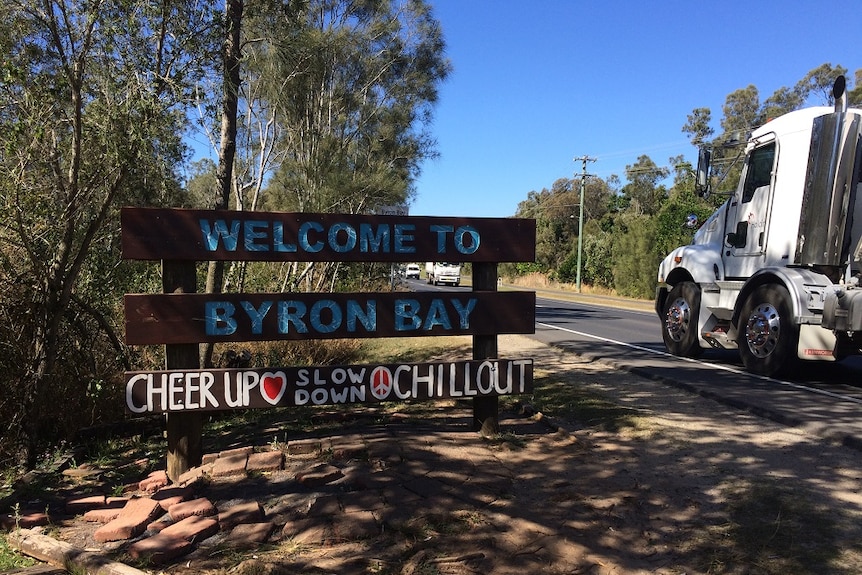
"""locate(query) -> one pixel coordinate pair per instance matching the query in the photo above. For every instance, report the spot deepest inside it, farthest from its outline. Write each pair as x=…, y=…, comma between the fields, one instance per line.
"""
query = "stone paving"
x=314, y=491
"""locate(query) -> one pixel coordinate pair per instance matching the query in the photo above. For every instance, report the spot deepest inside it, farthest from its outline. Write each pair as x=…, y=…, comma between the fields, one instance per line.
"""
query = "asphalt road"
x=825, y=398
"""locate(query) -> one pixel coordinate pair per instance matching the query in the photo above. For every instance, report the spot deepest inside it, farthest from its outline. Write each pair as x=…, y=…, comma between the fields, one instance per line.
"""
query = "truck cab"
x=443, y=273
x=774, y=272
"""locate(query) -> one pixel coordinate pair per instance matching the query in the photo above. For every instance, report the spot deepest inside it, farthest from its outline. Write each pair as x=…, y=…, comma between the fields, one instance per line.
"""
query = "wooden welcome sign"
x=180, y=319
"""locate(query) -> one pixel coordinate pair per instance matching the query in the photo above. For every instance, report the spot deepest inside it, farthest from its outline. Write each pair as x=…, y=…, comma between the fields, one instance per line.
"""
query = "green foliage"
x=635, y=257
x=644, y=194
x=351, y=87
x=568, y=270
x=10, y=559
x=598, y=260
x=92, y=120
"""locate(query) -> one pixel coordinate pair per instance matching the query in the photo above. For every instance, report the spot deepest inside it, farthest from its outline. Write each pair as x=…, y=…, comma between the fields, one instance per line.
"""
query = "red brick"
x=24, y=520
x=318, y=475
x=155, y=481
x=303, y=447
x=305, y=531
x=353, y=526
x=169, y=496
x=132, y=521
x=202, y=507
x=159, y=524
x=84, y=504
x=250, y=512
x=250, y=534
x=104, y=515
x=193, y=528
x=231, y=464
x=194, y=474
x=324, y=505
x=237, y=451
x=159, y=548
x=265, y=461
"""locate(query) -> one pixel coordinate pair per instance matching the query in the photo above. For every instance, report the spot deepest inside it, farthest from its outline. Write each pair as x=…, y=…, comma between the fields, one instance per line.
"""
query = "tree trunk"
x=227, y=147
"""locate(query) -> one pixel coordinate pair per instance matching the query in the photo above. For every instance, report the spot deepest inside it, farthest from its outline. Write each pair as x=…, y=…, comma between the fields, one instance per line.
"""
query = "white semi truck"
x=775, y=272
x=443, y=273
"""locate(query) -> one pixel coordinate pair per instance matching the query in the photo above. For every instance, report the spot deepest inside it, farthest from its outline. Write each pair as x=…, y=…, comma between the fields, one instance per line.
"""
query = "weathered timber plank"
x=207, y=235
x=195, y=318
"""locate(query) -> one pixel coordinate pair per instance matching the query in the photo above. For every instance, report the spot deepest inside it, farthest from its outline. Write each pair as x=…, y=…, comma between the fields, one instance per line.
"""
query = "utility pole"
x=584, y=160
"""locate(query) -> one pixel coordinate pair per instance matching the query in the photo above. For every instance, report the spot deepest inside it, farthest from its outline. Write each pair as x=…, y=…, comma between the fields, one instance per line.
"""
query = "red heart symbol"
x=273, y=386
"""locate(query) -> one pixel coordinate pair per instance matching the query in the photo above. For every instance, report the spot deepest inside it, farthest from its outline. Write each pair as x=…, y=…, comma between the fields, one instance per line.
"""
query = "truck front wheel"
x=681, y=311
x=767, y=335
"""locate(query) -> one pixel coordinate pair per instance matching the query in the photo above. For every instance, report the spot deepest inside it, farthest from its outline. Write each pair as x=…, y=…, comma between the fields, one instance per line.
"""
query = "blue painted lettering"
x=349, y=238
x=437, y=316
x=278, y=244
x=374, y=241
x=317, y=321
x=256, y=315
x=403, y=237
x=441, y=232
x=367, y=317
x=461, y=245
x=255, y=230
x=218, y=318
x=219, y=230
x=304, y=230
x=464, y=311
x=291, y=312
x=313, y=237
x=407, y=315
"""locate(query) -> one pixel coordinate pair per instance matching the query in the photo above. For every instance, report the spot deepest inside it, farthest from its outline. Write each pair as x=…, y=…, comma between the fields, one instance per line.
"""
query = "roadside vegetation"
x=316, y=106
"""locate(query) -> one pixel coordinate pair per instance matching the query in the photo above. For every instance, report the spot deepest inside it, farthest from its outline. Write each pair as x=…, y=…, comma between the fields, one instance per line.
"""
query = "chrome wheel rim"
x=763, y=330
x=678, y=318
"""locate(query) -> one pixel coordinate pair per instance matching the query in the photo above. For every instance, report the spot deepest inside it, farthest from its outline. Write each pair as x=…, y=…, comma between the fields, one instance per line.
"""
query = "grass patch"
x=415, y=349
x=562, y=397
x=10, y=558
x=772, y=529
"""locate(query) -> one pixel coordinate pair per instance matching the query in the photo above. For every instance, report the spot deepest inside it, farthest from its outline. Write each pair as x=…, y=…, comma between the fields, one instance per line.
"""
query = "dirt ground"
x=656, y=480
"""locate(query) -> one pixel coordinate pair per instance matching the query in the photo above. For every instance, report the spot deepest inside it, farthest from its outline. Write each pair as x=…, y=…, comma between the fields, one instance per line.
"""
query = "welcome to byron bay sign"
x=184, y=318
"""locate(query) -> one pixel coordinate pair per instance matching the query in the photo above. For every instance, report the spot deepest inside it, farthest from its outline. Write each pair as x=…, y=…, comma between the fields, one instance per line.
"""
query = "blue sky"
x=536, y=84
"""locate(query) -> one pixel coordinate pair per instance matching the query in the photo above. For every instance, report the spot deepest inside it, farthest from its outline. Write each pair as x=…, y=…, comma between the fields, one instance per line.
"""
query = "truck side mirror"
x=701, y=182
x=691, y=221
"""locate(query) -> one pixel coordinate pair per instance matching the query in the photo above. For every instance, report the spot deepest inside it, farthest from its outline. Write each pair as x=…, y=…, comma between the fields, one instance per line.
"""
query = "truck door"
x=748, y=217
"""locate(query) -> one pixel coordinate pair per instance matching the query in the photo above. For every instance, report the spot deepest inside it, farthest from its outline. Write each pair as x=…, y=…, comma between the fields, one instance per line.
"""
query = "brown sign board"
x=205, y=235
x=196, y=318
x=224, y=389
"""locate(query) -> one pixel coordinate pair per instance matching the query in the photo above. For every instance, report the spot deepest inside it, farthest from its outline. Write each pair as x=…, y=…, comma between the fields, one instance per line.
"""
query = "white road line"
x=705, y=364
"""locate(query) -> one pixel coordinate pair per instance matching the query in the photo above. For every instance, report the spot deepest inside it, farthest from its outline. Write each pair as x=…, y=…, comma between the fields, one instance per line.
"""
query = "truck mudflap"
x=842, y=310
x=816, y=343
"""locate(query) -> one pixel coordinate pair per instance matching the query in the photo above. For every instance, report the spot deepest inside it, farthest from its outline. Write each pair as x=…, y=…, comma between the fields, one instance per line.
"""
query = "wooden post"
x=485, y=409
x=185, y=430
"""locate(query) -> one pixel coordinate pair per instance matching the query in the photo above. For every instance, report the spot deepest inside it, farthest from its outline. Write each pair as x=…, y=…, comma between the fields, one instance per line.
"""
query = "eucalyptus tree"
x=92, y=117
x=354, y=85
x=743, y=111
x=644, y=190
x=854, y=95
x=335, y=104
x=817, y=84
x=698, y=127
